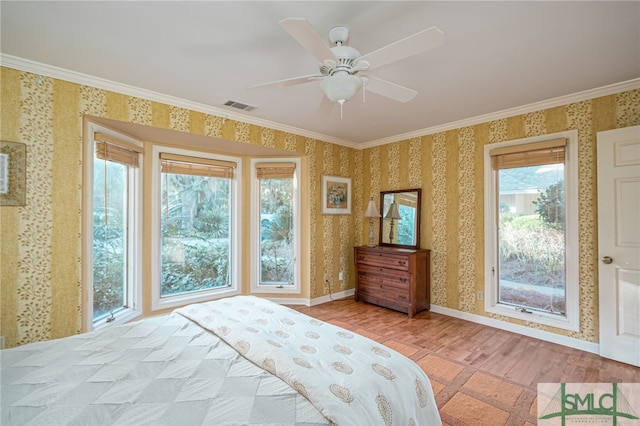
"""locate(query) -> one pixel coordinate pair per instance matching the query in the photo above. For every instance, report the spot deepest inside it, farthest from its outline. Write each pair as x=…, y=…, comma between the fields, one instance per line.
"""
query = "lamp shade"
x=340, y=86
x=372, y=210
x=393, y=212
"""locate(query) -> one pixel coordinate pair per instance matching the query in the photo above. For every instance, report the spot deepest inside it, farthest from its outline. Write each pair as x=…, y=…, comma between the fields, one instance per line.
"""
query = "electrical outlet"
x=480, y=295
x=326, y=278
x=341, y=275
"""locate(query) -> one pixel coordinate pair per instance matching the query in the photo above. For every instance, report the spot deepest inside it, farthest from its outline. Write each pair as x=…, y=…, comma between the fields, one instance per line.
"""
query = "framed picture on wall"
x=336, y=195
x=13, y=173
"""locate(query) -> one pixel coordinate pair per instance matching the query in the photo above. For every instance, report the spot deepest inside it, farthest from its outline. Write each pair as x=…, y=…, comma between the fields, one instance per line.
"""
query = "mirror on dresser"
x=400, y=219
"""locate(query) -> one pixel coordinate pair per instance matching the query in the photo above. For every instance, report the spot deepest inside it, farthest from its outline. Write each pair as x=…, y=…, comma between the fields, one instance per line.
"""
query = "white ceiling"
x=496, y=55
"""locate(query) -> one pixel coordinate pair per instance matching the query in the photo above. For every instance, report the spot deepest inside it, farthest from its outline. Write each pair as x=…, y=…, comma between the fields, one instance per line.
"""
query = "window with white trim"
x=112, y=230
x=531, y=230
x=275, y=225
x=196, y=226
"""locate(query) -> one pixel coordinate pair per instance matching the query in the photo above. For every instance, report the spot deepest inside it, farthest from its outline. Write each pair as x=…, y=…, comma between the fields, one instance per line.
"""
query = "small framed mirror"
x=400, y=220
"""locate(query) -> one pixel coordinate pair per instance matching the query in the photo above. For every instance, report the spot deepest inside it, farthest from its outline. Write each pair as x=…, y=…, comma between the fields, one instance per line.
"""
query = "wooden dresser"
x=395, y=278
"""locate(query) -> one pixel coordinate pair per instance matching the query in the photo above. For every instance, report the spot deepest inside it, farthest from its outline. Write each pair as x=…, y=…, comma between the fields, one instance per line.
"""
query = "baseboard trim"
x=334, y=296
x=520, y=329
x=312, y=302
x=288, y=300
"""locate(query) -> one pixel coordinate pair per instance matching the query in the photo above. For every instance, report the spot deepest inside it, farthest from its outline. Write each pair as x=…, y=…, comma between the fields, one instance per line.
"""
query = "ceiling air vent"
x=240, y=105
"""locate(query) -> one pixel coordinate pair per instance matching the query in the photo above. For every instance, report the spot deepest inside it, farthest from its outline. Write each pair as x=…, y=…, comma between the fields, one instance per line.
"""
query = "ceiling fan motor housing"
x=338, y=34
x=345, y=55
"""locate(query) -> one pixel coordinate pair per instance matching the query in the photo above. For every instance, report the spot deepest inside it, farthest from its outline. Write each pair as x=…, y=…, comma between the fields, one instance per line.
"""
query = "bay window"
x=196, y=226
x=112, y=273
x=276, y=226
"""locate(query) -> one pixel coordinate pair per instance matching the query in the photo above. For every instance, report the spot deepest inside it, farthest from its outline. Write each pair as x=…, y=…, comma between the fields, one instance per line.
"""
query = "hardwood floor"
x=518, y=359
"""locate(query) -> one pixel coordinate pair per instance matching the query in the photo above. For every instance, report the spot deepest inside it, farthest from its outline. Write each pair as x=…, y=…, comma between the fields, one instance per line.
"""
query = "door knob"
x=607, y=260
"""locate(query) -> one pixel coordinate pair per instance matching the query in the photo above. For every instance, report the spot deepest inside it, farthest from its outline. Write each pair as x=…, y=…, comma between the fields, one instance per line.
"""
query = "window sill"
x=119, y=318
x=559, y=321
x=275, y=289
x=189, y=298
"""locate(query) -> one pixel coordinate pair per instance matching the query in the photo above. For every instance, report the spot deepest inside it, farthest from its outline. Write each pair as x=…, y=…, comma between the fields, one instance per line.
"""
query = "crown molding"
x=525, y=109
x=38, y=68
x=45, y=70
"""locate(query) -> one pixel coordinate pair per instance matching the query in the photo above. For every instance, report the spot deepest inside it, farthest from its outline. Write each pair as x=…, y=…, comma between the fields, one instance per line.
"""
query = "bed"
x=241, y=360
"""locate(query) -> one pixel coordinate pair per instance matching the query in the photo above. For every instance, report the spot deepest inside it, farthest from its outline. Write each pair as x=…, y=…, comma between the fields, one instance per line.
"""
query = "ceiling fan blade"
x=286, y=82
x=302, y=31
x=389, y=90
x=409, y=46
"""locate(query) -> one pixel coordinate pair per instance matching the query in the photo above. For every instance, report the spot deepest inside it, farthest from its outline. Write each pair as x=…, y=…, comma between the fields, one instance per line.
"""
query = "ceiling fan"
x=341, y=65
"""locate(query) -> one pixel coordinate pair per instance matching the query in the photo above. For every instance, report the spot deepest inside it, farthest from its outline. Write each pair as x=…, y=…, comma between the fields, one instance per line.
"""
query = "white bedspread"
x=158, y=371
x=173, y=370
x=350, y=379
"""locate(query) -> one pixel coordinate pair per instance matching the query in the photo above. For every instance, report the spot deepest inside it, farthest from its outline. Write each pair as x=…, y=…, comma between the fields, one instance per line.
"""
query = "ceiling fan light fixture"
x=341, y=87
x=340, y=63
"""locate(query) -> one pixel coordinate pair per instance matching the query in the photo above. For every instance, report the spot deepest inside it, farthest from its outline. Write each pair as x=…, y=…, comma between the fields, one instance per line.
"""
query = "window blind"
x=113, y=149
x=275, y=170
x=187, y=165
x=532, y=154
x=407, y=199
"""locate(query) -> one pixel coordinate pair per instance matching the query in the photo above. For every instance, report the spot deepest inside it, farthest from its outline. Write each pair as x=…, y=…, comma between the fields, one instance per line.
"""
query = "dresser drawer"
x=367, y=273
x=379, y=291
x=383, y=260
x=396, y=279
x=385, y=276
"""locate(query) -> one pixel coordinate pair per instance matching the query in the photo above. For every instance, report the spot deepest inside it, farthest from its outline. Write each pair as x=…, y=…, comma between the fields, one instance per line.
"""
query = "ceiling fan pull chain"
x=364, y=90
x=341, y=102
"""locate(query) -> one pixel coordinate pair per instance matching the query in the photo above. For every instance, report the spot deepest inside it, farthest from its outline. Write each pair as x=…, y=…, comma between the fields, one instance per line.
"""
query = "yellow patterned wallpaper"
x=40, y=256
x=448, y=166
x=40, y=266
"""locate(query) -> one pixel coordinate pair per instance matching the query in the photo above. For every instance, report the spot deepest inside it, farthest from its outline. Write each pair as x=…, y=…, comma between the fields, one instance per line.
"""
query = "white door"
x=619, y=243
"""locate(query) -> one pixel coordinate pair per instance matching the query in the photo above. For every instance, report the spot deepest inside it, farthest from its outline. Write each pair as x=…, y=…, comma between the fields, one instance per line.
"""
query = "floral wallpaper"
x=41, y=242
x=448, y=166
x=34, y=230
x=40, y=262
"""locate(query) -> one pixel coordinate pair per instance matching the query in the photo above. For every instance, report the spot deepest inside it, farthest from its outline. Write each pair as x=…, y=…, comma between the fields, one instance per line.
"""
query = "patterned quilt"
x=159, y=371
x=350, y=379
x=237, y=361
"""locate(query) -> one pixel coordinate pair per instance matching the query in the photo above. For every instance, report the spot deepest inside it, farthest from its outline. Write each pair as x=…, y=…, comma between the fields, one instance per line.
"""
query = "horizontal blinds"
x=532, y=154
x=275, y=170
x=186, y=165
x=113, y=149
x=407, y=199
